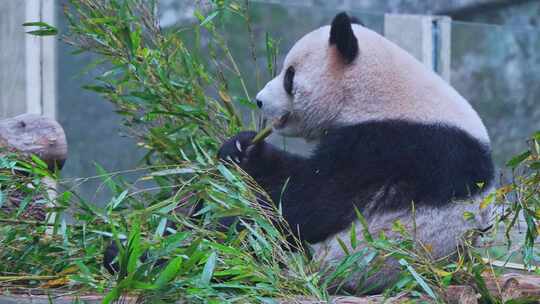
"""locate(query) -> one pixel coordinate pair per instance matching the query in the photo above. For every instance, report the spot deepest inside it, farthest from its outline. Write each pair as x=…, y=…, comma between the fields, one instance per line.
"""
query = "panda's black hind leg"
x=110, y=254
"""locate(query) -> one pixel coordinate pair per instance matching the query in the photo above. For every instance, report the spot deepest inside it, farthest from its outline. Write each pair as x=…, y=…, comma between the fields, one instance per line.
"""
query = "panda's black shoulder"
x=425, y=163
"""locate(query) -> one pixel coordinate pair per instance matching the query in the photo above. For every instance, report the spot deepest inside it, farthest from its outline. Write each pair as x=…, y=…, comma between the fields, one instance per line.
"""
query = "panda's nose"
x=259, y=103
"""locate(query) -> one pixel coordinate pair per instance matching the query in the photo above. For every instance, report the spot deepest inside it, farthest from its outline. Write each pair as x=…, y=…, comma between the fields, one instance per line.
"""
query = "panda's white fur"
x=437, y=231
x=384, y=82
x=338, y=95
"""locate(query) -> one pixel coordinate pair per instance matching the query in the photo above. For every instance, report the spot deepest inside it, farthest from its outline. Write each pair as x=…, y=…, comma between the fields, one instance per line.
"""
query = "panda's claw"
x=238, y=145
x=237, y=148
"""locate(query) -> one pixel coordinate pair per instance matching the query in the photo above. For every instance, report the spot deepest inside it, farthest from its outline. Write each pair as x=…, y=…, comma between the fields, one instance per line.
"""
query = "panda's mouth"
x=281, y=121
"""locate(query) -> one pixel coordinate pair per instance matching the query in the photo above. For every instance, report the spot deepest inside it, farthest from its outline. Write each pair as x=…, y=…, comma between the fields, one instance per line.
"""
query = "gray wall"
x=92, y=127
x=12, y=64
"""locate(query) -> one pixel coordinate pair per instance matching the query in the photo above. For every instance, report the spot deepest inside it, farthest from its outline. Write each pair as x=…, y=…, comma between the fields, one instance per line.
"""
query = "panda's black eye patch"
x=288, y=80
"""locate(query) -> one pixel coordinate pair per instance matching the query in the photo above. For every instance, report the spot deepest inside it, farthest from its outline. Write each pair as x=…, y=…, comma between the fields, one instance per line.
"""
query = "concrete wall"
x=454, y=8
x=27, y=63
x=12, y=59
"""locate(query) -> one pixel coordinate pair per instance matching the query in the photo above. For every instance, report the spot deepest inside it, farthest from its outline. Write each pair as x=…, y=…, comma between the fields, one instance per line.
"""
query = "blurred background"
x=487, y=49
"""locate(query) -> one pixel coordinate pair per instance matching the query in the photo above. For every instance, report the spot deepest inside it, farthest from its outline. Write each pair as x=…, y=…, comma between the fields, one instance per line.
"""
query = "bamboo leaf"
x=365, y=231
x=44, y=29
x=518, y=159
x=208, y=269
x=354, y=239
x=419, y=279
x=343, y=245
x=117, y=200
x=134, y=246
x=170, y=272
x=39, y=162
x=209, y=18
x=176, y=171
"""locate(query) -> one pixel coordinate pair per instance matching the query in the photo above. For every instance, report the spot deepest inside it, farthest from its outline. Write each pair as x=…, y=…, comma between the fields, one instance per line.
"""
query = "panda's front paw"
x=237, y=148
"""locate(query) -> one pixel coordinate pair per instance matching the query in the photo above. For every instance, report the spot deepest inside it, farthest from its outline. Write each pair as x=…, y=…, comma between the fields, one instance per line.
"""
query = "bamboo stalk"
x=264, y=133
x=26, y=277
x=25, y=222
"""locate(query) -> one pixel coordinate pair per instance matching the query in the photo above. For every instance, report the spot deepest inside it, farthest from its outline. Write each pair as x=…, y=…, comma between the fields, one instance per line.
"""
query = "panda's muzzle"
x=282, y=120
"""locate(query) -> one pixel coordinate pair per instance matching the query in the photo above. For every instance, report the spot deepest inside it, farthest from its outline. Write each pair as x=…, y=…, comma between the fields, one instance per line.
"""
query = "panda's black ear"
x=355, y=20
x=342, y=36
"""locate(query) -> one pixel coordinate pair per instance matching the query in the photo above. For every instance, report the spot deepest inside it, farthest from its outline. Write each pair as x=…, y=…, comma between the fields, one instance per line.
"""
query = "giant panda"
x=389, y=133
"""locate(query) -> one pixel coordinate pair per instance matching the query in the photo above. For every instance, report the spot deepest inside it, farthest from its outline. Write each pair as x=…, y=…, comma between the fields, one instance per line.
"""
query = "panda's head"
x=346, y=74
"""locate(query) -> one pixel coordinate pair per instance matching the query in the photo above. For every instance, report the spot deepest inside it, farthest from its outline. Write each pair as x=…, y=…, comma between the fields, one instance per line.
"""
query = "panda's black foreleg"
x=268, y=165
x=111, y=252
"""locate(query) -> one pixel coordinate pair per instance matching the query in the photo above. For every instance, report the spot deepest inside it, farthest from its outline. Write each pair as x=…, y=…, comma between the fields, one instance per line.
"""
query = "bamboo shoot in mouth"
x=264, y=133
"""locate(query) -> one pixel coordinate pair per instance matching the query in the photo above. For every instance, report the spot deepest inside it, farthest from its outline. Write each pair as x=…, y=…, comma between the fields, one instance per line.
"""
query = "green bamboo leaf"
x=361, y=258
x=39, y=162
x=518, y=159
x=98, y=89
x=23, y=205
x=112, y=296
x=354, y=239
x=535, y=165
x=343, y=246
x=117, y=200
x=208, y=269
x=136, y=38
x=83, y=268
x=37, y=23
x=536, y=135
x=194, y=258
x=134, y=246
x=481, y=284
x=44, y=29
x=209, y=18
x=44, y=32
x=365, y=231
x=169, y=273
x=468, y=215
x=419, y=279
x=161, y=227
x=106, y=177
x=227, y=173
x=142, y=285
x=176, y=171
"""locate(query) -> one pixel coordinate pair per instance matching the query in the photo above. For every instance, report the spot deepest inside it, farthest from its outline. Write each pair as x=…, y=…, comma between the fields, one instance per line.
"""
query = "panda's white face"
x=347, y=74
x=302, y=99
